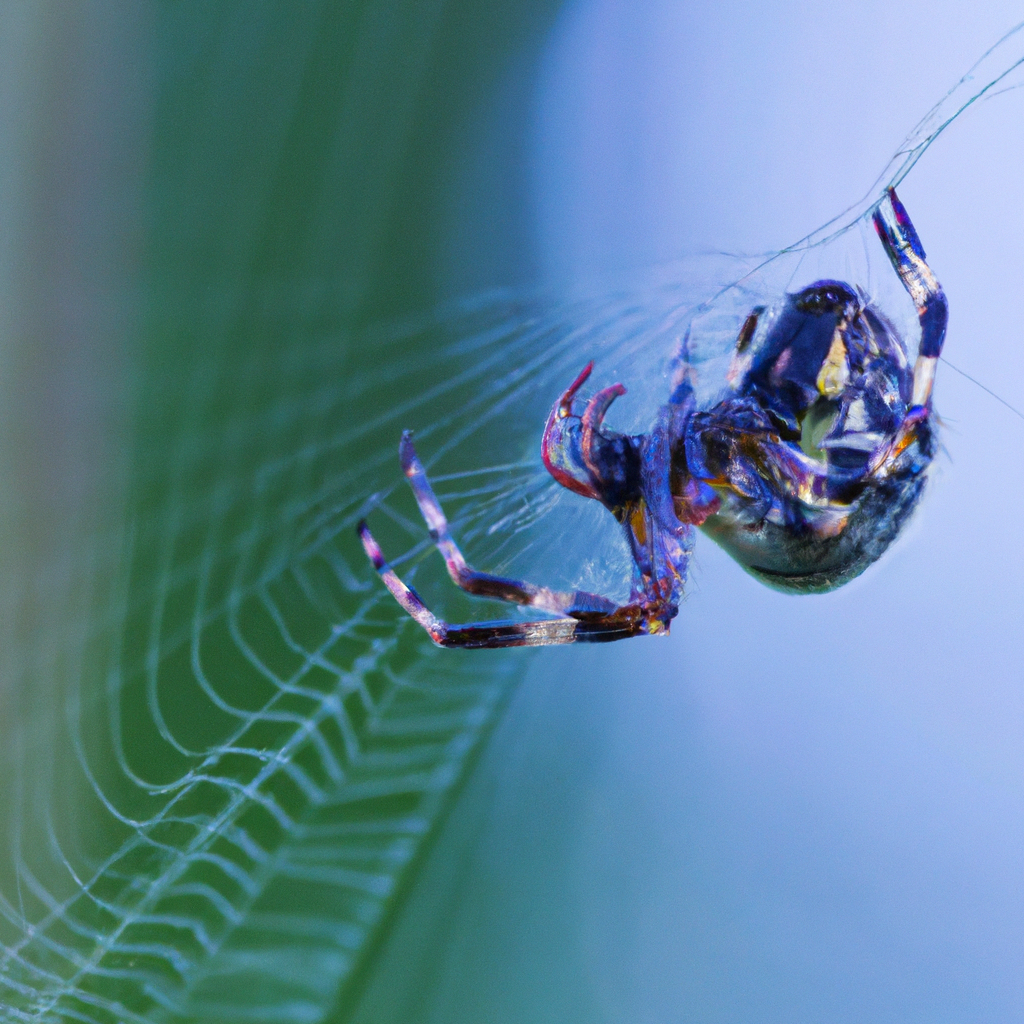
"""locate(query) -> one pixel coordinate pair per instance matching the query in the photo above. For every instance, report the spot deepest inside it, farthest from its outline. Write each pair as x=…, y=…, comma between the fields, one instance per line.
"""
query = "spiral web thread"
x=256, y=750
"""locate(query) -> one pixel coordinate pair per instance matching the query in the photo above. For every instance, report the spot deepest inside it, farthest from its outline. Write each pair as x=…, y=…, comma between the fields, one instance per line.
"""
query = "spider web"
x=248, y=757
x=225, y=768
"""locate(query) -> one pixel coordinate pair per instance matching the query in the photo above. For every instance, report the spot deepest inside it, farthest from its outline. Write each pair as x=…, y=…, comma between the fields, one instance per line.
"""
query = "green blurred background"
x=219, y=765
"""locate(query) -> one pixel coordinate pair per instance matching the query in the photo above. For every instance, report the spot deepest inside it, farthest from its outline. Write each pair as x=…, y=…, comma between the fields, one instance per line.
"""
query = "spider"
x=805, y=472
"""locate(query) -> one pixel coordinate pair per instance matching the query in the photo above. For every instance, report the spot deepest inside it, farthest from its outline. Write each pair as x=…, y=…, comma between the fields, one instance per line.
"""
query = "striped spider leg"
x=582, y=616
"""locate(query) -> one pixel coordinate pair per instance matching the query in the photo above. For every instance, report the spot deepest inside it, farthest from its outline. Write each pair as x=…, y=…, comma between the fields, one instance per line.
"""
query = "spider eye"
x=825, y=297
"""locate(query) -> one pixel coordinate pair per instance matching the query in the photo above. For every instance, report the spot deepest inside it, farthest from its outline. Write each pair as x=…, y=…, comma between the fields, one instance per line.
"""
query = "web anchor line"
x=989, y=391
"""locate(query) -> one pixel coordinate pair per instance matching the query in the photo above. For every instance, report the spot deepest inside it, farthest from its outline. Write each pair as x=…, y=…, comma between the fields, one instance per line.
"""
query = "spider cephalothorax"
x=804, y=471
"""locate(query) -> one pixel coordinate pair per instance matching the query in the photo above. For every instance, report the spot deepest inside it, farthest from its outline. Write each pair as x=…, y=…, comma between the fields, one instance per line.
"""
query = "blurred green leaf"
x=223, y=746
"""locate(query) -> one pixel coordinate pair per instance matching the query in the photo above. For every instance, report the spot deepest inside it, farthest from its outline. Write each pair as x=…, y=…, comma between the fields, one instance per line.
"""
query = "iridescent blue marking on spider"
x=805, y=472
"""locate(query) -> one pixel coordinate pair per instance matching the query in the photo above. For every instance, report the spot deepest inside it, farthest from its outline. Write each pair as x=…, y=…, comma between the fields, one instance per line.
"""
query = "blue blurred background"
x=794, y=809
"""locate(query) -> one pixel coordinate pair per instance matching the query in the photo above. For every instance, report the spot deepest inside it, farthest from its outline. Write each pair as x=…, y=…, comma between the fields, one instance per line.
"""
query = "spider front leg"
x=481, y=583
x=905, y=252
x=584, y=617
x=595, y=627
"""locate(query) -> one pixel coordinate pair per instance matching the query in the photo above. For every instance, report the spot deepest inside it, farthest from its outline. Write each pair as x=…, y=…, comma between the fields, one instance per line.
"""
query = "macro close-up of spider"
x=804, y=472
x=605, y=277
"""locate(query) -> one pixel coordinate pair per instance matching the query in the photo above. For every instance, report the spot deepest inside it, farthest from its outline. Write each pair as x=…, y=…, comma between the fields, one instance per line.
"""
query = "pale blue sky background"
x=795, y=809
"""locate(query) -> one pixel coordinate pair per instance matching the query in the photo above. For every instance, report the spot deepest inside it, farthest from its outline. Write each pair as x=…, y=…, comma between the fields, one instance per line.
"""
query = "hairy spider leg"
x=589, y=627
x=481, y=583
x=681, y=373
x=586, y=617
x=591, y=464
x=903, y=247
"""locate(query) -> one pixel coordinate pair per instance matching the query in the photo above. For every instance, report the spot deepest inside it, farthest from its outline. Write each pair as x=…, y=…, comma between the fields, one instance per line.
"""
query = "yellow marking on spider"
x=835, y=370
x=638, y=524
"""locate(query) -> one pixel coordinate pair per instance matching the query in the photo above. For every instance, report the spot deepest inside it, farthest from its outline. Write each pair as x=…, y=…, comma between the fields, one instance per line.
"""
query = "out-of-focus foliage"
x=222, y=750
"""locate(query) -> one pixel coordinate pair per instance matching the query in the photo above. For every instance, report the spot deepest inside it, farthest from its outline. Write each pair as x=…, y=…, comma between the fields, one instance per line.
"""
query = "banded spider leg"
x=903, y=247
x=583, y=617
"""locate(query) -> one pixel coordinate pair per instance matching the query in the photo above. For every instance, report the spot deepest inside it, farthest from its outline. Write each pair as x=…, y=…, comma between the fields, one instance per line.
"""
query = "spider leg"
x=589, y=627
x=681, y=372
x=903, y=247
x=743, y=356
x=481, y=583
